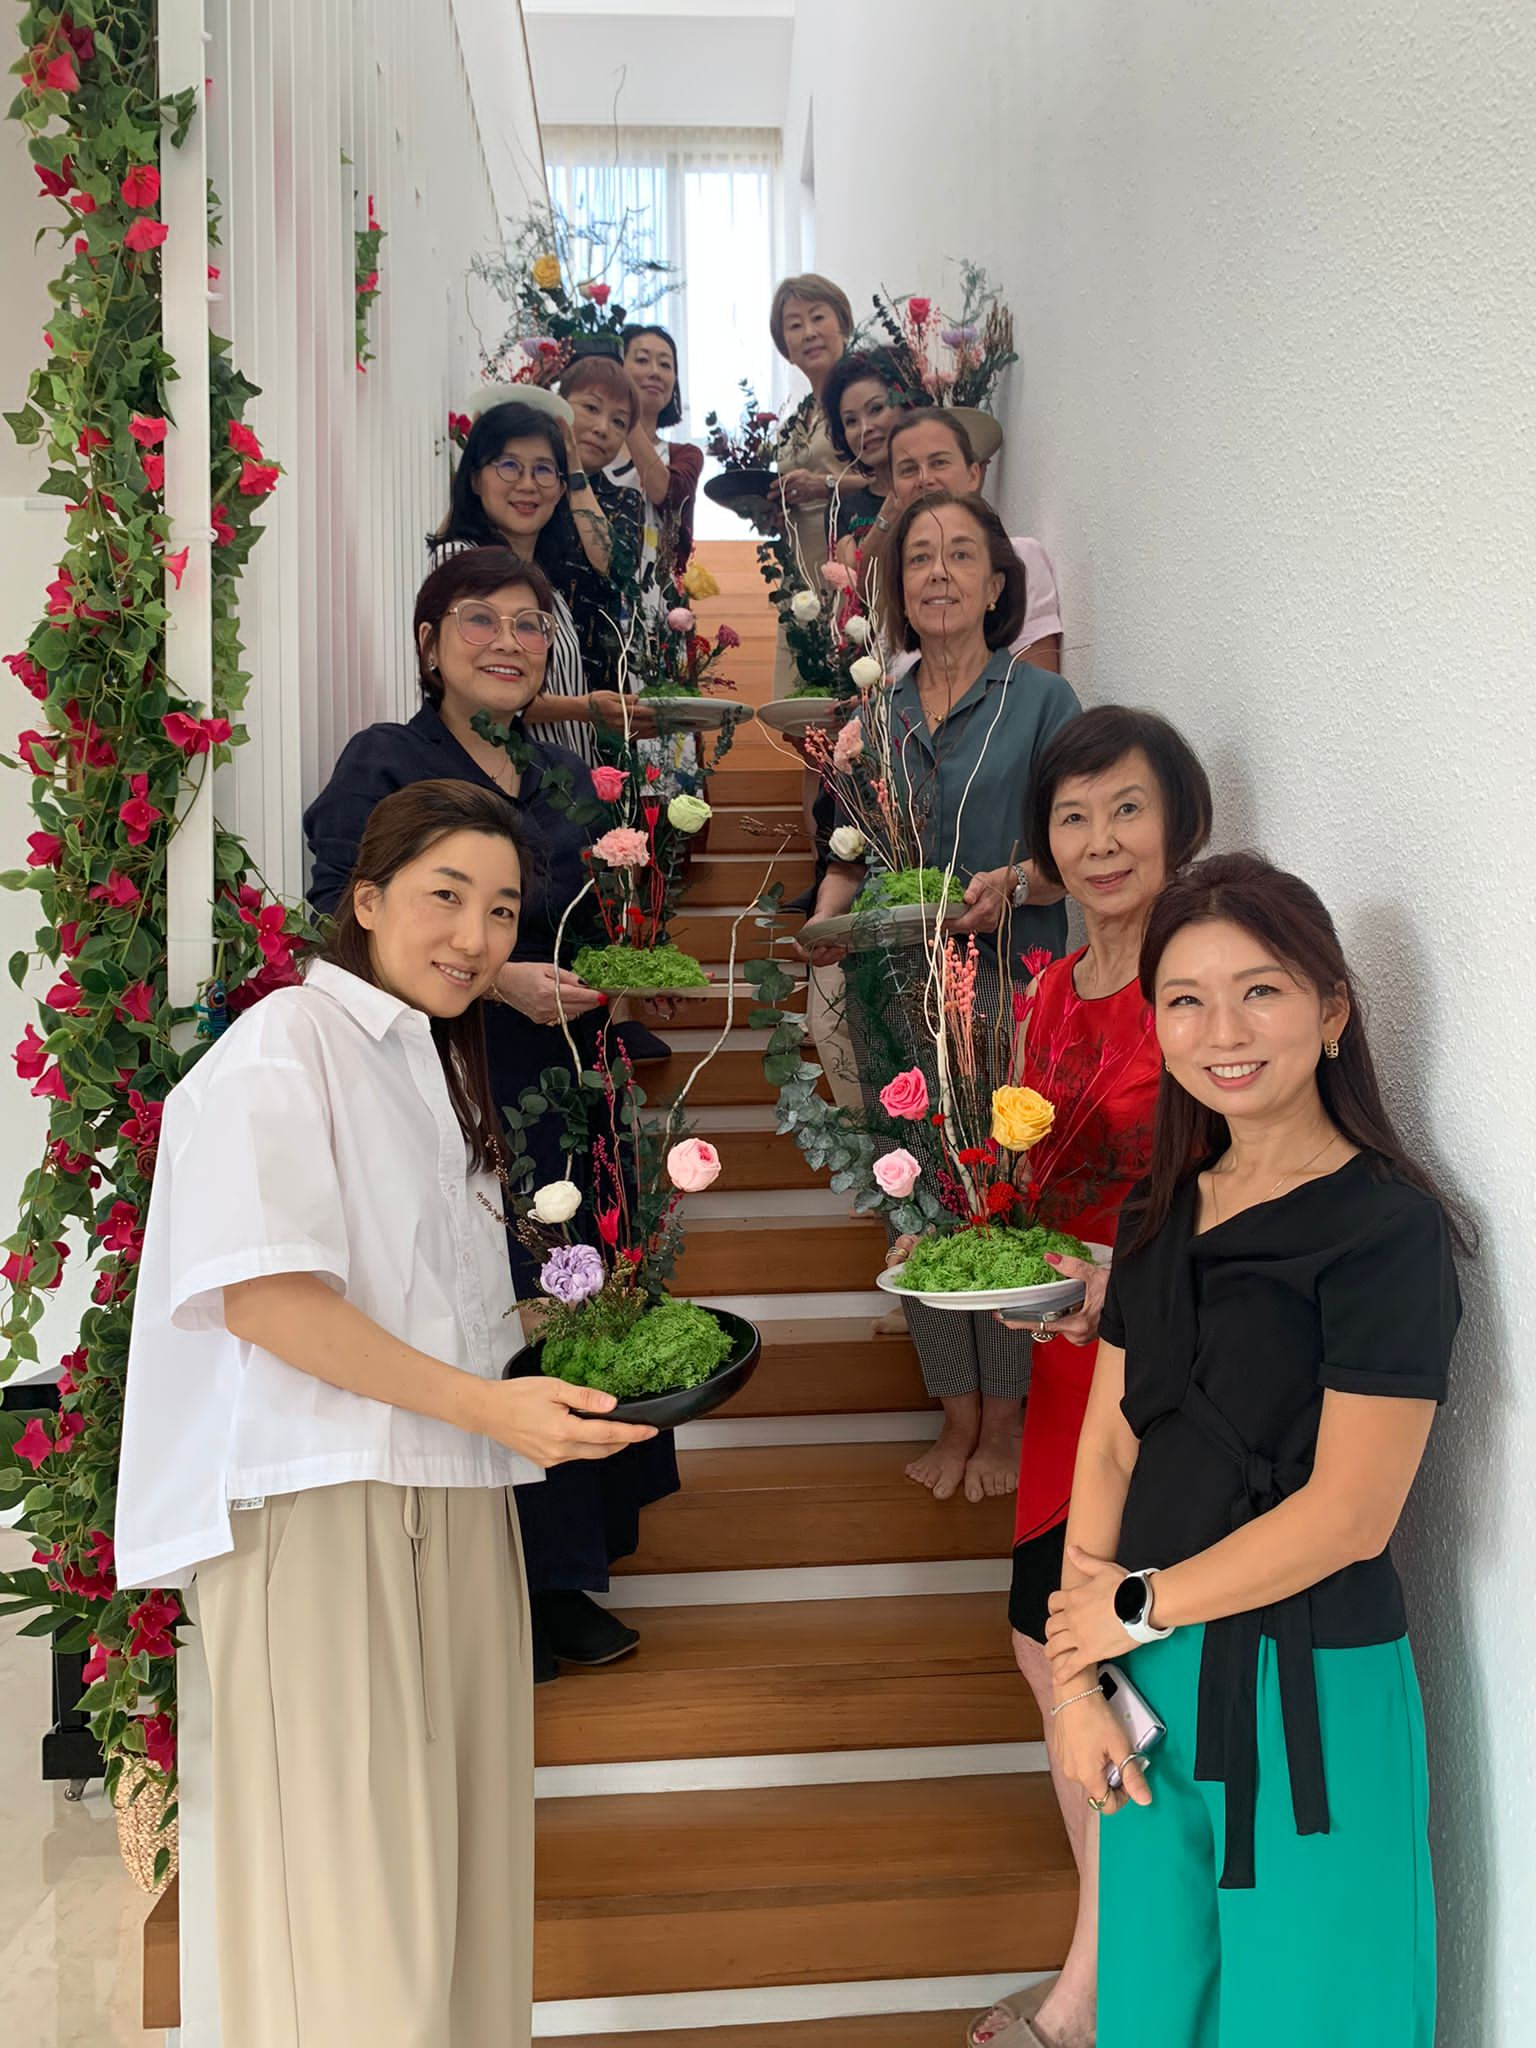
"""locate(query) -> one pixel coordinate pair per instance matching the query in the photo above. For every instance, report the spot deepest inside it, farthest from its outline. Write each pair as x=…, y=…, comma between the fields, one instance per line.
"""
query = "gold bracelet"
x=1093, y=1692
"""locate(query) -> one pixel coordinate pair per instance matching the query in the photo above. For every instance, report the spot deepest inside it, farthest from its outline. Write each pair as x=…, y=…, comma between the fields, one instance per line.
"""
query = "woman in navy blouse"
x=484, y=628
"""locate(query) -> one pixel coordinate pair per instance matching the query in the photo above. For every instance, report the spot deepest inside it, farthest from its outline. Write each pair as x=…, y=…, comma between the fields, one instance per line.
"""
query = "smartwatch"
x=577, y=480
x=1133, y=1603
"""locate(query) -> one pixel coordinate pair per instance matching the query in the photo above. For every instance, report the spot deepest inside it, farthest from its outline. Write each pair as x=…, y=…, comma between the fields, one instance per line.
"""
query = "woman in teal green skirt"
x=1275, y=1341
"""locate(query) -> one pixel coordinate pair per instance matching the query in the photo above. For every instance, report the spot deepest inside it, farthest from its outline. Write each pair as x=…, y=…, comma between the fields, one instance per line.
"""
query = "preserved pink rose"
x=906, y=1096
x=897, y=1173
x=609, y=783
x=693, y=1166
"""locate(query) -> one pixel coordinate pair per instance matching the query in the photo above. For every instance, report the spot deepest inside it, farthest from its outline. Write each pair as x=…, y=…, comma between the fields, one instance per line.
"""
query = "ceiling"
x=661, y=63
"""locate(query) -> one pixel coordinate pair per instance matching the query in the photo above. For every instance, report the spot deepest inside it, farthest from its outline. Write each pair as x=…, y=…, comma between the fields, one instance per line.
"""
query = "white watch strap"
x=1143, y=1631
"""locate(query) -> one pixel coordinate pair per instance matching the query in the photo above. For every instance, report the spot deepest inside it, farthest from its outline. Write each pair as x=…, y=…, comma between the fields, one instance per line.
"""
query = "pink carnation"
x=693, y=1166
x=850, y=744
x=897, y=1174
x=837, y=575
x=906, y=1096
x=623, y=848
x=609, y=783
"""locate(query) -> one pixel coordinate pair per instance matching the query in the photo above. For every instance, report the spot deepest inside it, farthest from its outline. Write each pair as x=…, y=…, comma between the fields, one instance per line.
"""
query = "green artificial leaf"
x=19, y=963
x=26, y=426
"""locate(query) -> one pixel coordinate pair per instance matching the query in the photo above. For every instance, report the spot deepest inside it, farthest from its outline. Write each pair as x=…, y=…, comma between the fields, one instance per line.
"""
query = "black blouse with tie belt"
x=1232, y=1336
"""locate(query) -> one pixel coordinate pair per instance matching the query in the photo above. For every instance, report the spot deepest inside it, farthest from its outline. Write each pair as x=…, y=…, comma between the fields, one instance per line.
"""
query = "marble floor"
x=69, y=1915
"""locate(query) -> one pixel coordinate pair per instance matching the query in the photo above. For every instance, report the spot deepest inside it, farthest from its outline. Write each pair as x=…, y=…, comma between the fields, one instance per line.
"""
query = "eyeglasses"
x=545, y=474
x=479, y=623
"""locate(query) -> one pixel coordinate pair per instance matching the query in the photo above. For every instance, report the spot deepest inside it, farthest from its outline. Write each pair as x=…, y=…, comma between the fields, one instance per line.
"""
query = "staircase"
x=812, y=1810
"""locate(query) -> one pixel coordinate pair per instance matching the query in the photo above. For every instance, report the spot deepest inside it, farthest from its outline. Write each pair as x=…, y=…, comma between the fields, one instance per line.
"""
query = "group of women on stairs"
x=1217, y=1445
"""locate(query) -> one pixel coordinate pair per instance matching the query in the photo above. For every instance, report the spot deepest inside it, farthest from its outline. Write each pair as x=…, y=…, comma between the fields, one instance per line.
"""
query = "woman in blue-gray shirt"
x=972, y=719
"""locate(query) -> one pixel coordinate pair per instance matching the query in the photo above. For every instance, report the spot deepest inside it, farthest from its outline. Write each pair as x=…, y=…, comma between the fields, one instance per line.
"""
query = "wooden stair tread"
x=780, y=1255
x=799, y=1884
x=875, y=2030
x=832, y=1365
x=734, y=1075
x=786, y=1678
x=760, y=1506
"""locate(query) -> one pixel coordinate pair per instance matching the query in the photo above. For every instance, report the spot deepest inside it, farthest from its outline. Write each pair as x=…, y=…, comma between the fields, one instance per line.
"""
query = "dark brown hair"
x=1003, y=622
x=472, y=572
x=467, y=519
x=672, y=411
x=1287, y=918
x=814, y=290
x=1095, y=742
x=941, y=416
x=872, y=366
x=402, y=827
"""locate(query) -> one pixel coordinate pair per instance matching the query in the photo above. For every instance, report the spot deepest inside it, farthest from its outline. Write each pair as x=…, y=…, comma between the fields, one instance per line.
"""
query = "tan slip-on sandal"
x=1020, y=2009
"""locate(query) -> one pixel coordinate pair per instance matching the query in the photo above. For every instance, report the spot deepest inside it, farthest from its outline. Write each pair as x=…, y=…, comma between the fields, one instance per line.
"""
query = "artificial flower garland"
x=116, y=756
x=366, y=281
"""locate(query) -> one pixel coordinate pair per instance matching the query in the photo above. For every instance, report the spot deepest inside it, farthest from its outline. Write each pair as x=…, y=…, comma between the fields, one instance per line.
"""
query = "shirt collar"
x=905, y=698
x=373, y=1007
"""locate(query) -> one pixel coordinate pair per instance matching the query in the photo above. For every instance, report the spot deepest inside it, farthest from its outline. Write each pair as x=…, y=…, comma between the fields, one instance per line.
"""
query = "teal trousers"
x=1335, y=1945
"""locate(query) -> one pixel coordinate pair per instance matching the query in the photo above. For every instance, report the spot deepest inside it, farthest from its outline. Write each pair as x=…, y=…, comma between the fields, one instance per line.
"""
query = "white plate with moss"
x=887, y=924
x=693, y=714
x=1056, y=1296
x=796, y=715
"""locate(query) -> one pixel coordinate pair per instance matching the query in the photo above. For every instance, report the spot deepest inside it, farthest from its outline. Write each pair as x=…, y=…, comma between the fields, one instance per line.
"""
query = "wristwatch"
x=577, y=480
x=1133, y=1603
x=1020, y=894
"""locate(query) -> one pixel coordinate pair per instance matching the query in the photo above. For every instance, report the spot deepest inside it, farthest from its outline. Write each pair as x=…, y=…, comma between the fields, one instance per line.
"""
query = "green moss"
x=626, y=967
x=908, y=885
x=969, y=1260
x=675, y=1344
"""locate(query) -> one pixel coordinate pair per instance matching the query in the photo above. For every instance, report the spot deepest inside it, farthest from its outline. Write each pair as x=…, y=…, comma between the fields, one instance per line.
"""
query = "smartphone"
x=1143, y=1730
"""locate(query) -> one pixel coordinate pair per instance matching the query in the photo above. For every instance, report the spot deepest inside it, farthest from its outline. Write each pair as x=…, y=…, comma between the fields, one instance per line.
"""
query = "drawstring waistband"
x=415, y=1518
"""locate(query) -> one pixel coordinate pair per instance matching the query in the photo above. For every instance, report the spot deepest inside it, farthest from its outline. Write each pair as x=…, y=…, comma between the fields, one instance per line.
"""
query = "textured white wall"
x=1275, y=419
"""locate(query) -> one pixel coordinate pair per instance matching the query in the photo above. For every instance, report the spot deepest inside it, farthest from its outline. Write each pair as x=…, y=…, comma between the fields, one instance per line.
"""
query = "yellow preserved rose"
x=1020, y=1118
x=698, y=582
x=546, y=272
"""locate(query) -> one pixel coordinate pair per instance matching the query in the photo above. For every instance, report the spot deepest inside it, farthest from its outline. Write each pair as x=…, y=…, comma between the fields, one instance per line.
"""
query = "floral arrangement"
x=754, y=443
x=943, y=360
x=366, y=280
x=635, y=871
x=819, y=614
x=673, y=658
x=554, y=274
x=115, y=758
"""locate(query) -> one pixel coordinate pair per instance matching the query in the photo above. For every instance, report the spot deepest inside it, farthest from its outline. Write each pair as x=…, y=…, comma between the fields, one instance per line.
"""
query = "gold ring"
x=1098, y=1805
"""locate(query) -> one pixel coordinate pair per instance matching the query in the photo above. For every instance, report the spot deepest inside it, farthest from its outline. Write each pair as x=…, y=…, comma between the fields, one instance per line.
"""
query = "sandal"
x=1020, y=2008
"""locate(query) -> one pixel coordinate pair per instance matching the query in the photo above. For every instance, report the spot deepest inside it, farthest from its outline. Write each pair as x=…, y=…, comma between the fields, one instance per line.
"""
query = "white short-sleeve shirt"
x=316, y=1136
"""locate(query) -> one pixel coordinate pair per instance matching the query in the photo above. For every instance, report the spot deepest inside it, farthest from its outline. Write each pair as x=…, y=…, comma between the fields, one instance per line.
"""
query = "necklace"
x=1290, y=1173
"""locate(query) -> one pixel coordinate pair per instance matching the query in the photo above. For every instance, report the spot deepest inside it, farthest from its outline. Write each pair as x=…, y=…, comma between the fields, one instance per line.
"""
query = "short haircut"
x=1003, y=622
x=672, y=411
x=876, y=366
x=601, y=373
x=939, y=415
x=472, y=572
x=816, y=291
x=1095, y=742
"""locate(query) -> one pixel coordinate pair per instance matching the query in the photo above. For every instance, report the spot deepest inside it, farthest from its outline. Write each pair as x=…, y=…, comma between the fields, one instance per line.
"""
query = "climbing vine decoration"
x=115, y=755
x=367, y=242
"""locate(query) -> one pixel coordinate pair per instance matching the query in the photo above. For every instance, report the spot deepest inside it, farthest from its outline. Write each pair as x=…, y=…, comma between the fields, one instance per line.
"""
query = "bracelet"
x=1093, y=1692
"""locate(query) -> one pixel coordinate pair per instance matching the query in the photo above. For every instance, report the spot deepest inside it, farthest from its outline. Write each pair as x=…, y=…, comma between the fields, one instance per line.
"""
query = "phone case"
x=1143, y=1730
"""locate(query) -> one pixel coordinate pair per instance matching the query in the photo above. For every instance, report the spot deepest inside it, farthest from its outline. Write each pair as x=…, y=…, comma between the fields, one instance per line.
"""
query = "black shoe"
x=641, y=1044
x=579, y=1631
x=544, y=1666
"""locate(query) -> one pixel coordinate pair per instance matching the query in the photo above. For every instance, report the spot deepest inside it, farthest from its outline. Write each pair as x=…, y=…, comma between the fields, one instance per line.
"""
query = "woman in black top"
x=584, y=1516
x=1274, y=1342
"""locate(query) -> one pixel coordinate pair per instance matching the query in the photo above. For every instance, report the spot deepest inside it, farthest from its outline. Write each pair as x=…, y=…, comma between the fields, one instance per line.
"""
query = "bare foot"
x=942, y=1467
x=892, y=1324
x=993, y=1467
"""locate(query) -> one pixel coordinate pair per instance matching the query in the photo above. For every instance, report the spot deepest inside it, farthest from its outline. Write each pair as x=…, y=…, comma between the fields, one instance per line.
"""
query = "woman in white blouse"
x=318, y=1446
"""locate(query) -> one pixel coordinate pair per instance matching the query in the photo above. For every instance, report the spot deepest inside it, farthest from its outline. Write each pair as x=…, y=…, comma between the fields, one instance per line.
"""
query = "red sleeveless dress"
x=1098, y=1062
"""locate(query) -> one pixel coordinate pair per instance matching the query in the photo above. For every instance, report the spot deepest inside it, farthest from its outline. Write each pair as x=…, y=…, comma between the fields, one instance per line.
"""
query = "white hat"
x=533, y=395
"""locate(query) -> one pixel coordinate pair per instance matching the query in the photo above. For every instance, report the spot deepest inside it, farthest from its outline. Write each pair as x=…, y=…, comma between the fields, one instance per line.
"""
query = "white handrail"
x=189, y=626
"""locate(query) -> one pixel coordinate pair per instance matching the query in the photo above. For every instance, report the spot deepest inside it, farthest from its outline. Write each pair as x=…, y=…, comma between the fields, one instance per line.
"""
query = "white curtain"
x=706, y=201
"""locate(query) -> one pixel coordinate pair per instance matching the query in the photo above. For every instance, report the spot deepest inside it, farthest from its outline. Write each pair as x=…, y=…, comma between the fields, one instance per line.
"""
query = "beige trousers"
x=372, y=1770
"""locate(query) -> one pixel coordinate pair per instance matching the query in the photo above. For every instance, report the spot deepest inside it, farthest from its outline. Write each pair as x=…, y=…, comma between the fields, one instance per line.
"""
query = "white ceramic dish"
x=694, y=714
x=1053, y=1294
x=798, y=714
x=862, y=930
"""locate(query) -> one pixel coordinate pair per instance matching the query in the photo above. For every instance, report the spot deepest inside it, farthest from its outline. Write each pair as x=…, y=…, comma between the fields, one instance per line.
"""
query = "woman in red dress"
x=1118, y=802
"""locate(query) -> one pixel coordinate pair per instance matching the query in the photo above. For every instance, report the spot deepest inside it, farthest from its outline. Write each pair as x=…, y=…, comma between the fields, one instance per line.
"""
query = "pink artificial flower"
x=223, y=532
x=906, y=1096
x=91, y=438
x=600, y=294
x=623, y=848
x=176, y=565
x=680, y=619
x=47, y=849
x=70, y=1426
x=195, y=735
x=919, y=309
x=148, y=429
x=153, y=467
x=159, y=1742
x=727, y=637
x=59, y=74
x=136, y=1004
x=370, y=283
x=67, y=1161
x=31, y=1060
x=122, y=1231
x=95, y=1666
x=141, y=187
x=693, y=1166
x=72, y=937
x=34, y=1444
x=67, y=996
x=257, y=478
x=152, y=1621
x=16, y=1269
x=243, y=441
x=54, y=183
x=52, y=1086
x=837, y=575
x=849, y=746
x=138, y=813
x=896, y=1174
x=270, y=935
x=117, y=890
x=83, y=203
x=39, y=752
x=145, y=235
x=214, y=273
x=30, y=674
x=609, y=783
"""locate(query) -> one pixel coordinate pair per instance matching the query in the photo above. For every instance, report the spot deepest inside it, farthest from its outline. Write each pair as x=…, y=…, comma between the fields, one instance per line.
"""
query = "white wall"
x=1276, y=421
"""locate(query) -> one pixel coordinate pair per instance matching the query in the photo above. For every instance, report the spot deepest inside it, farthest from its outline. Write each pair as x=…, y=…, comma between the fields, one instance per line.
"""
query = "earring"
x=1330, y=1048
